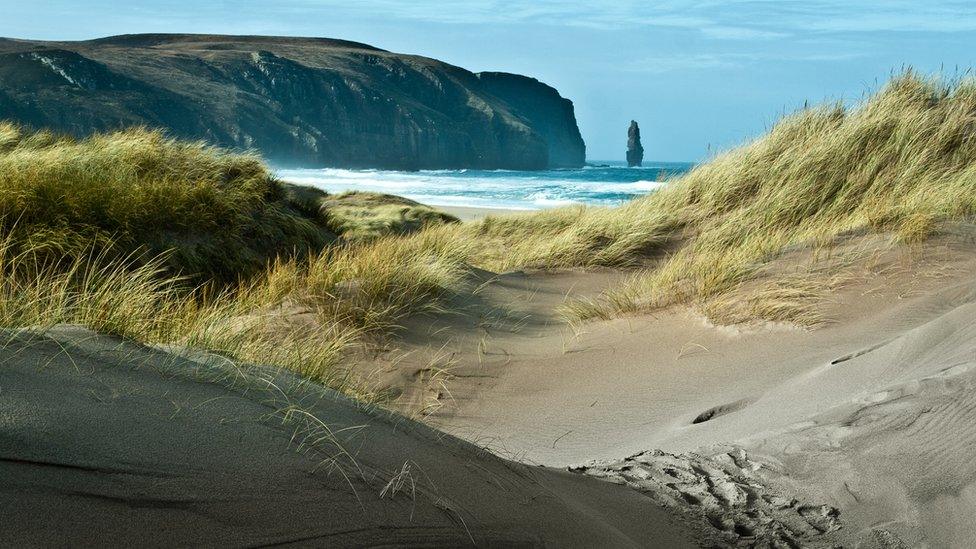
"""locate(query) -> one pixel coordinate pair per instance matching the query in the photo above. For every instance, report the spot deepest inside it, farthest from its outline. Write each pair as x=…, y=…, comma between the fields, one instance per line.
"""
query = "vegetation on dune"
x=362, y=215
x=900, y=163
x=303, y=314
x=217, y=215
x=181, y=244
x=169, y=242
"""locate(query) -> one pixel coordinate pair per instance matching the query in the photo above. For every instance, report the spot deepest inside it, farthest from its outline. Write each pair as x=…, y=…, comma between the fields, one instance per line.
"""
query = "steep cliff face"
x=300, y=101
x=547, y=112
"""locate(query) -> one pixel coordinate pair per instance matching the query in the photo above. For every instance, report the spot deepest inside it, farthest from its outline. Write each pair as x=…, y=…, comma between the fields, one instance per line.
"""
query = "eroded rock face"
x=299, y=101
x=635, y=151
x=548, y=113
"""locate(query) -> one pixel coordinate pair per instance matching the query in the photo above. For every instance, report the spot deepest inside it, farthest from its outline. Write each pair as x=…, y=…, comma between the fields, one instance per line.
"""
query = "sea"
x=598, y=183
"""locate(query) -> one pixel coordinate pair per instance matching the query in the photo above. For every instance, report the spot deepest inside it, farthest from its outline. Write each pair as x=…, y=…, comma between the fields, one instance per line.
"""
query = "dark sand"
x=105, y=442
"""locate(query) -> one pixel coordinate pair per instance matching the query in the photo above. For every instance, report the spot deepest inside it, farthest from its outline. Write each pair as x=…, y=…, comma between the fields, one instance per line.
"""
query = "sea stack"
x=635, y=152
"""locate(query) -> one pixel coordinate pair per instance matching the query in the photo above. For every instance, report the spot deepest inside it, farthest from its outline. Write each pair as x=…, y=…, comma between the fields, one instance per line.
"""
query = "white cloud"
x=723, y=32
x=714, y=19
x=719, y=61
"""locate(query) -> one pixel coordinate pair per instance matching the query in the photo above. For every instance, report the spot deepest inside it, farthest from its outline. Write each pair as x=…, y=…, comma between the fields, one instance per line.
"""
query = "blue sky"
x=699, y=76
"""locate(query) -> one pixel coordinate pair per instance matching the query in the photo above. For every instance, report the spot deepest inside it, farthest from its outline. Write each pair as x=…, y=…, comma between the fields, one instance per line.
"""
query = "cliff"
x=299, y=101
x=548, y=113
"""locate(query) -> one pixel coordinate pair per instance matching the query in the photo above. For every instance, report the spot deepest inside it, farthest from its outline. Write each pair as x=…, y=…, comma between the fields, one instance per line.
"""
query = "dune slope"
x=863, y=425
x=107, y=442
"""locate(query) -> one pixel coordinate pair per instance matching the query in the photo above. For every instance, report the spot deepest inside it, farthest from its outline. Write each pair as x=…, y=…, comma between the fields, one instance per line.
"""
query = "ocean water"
x=600, y=183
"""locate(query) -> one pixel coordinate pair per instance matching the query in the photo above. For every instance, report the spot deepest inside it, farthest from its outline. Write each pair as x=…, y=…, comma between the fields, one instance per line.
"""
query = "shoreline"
x=474, y=213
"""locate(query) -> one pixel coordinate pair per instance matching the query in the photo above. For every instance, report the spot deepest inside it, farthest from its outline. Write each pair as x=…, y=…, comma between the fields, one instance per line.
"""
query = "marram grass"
x=339, y=294
x=177, y=243
x=215, y=214
x=902, y=162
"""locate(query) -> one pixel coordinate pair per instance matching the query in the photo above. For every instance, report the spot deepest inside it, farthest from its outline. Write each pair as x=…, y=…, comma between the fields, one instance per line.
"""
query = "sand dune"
x=857, y=433
x=871, y=415
x=106, y=442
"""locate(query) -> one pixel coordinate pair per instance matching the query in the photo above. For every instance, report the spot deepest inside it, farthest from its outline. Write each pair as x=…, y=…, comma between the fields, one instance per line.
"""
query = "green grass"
x=364, y=215
x=343, y=296
x=217, y=215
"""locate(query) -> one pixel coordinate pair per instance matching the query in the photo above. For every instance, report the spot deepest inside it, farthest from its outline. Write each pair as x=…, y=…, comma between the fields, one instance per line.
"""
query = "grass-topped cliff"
x=300, y=101
x=119, y=232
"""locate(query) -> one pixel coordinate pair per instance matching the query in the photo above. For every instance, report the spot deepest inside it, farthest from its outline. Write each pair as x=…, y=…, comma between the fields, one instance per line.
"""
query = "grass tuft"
x=902, y=162
x=215, y=215
x=176, y=243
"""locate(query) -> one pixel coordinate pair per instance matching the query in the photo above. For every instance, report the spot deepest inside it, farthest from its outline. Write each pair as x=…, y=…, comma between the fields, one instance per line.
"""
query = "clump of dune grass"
x=363, y=215
x=344, y=294
x=574, y=236
x=902, y=162
x=216, y=215
x=180, y=244
x=139, y=300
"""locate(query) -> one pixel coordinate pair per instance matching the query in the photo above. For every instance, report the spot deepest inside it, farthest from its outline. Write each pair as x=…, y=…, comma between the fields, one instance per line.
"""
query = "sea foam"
x=594, y=185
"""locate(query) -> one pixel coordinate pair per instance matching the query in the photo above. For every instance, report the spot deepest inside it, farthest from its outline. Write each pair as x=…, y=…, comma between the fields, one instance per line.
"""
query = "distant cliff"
x=299, y=101
x=547, y=113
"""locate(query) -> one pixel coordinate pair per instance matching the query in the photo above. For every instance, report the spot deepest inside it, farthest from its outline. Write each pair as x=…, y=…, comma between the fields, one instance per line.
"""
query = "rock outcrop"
x=548, y=113
x=299, y=101
x=635, y=151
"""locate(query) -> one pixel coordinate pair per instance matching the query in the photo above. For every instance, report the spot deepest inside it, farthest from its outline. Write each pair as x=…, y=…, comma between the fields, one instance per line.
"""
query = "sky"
x=700, y=76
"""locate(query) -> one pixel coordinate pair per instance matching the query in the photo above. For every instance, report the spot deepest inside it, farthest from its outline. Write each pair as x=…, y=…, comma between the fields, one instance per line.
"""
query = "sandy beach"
x=829, y=419
x=471, y=213
x=229, y=317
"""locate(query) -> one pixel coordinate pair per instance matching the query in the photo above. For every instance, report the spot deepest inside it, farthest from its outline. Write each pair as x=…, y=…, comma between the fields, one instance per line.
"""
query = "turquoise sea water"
x=600, y=183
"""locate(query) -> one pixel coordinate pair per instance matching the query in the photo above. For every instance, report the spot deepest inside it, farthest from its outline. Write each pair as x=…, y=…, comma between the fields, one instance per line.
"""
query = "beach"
x=773, y=348
x=827, y=422
x=471, y=213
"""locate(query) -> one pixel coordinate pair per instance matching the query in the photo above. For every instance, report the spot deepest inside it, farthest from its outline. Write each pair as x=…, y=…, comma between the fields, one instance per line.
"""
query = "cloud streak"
x=721, y=61
x=719, y=20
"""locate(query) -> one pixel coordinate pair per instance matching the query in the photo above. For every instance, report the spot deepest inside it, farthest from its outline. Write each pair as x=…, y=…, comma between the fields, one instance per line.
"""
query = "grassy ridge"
x=177, y=243
x=363, y=215
x=217, y=215
x=99, y=232
x=902, y=162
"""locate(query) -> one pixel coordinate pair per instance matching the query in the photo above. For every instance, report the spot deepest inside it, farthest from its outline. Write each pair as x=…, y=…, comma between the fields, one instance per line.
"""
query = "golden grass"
x=215, y=214
x=364, y=215
x=177, y=243
x=339, y=294
x=99, y=232
x=902, y=162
